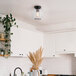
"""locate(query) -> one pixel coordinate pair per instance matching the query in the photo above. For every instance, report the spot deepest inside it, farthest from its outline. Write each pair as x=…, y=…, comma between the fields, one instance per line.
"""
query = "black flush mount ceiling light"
x=37, y=7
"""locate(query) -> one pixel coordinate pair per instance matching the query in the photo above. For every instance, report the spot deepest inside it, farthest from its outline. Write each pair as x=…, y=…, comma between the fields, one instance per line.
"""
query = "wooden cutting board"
x=51, y=75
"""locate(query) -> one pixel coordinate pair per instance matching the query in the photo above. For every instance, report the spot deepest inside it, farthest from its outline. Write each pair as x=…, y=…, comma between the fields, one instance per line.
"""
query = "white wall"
x=62, y=65
x=24, y=41
x=8, y=65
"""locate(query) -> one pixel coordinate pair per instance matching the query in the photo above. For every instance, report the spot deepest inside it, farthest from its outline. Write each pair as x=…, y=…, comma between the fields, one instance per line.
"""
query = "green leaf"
x=0, y=17
x=6, y=36
x=17, y=26
x=7, y=16
x=7, y=44
x=10, y=15
x=14, y=19
x=15, y=23
x=11, y=33
x=6, y=41
x=4, y=26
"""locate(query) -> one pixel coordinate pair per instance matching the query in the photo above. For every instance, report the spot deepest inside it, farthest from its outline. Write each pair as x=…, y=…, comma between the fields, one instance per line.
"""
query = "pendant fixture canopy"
x=37, y=7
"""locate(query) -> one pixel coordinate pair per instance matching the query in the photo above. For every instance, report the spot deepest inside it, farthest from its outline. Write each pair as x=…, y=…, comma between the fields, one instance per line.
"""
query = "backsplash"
x=66, y=64
x=59, y=65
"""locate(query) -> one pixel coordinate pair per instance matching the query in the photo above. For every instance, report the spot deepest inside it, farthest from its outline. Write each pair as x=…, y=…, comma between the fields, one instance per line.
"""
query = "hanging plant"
x=8, y=21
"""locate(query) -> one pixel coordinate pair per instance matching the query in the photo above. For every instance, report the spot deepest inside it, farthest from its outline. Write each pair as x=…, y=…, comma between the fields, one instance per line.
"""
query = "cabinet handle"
x=64, y=49
x=53, y=55
x=21, y=54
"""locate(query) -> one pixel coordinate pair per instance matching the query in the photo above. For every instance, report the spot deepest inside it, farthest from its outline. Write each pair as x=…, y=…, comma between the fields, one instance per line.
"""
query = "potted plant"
x=36, y=59
x=8, y=21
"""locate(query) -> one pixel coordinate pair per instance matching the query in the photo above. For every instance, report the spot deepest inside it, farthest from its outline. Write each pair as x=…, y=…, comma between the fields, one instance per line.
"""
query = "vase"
x=36, y=73
x=30, y=73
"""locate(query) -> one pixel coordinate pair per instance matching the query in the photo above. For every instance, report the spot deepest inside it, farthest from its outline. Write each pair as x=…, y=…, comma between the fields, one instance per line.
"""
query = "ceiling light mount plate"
x=37, y=7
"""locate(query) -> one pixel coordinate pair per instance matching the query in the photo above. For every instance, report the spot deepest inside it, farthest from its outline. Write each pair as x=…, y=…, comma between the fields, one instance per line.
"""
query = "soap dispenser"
x=10, y=74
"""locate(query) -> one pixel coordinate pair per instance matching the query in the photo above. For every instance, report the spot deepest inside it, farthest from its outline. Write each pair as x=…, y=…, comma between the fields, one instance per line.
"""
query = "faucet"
x=20, y=70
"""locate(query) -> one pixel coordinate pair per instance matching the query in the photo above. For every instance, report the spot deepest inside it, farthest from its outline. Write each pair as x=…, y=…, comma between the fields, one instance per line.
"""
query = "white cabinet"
x=59, y=43
x=25, y=41
x=49, y=45
x=71, y=41
x=65, y=42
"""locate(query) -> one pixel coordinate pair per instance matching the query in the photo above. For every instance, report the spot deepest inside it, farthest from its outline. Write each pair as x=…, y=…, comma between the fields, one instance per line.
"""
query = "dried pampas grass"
x=36, y=58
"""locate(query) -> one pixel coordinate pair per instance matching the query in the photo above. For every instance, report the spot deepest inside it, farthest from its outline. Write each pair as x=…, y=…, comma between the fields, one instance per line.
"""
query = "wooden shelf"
x=2, y=39
x=4, y=55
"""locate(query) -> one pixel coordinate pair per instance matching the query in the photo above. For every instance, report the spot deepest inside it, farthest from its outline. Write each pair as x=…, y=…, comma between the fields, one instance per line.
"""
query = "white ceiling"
x=56, y=15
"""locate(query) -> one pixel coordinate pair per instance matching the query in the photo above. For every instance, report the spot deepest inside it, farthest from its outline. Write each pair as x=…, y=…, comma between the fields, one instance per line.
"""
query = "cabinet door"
x=49, y=45
x=71, y=42
x=66, y=42
x=60, y=42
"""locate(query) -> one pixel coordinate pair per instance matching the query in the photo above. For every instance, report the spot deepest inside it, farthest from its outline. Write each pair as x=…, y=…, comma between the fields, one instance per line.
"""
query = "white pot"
x=30, y=73
x=36, y=73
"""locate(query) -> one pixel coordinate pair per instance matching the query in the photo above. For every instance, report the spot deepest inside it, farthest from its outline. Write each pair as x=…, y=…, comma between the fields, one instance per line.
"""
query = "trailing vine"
x=8, y=21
